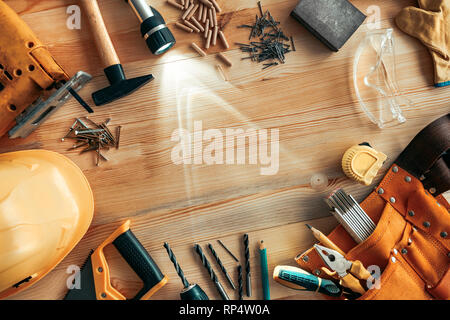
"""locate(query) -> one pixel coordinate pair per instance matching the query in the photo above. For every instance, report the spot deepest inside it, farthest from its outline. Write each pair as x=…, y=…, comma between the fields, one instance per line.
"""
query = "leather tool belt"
x=411, y=243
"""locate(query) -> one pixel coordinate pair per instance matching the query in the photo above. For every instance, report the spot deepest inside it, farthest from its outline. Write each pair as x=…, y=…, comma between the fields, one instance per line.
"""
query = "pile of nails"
x=272, y=41
x=92, y=137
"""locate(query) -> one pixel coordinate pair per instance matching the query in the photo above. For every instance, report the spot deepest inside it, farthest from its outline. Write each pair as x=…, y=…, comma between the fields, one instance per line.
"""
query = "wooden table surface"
x=310, y=99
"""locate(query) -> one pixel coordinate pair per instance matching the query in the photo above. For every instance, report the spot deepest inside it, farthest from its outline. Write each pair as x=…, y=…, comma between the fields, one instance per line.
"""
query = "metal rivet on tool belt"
x=393, y=259
x=395, y=251
x=408, y=179
x=404, y=251
x=380, y=191
x=395, y=169
x=411, y=213
x=103, y=295
x=317, y=272
x=100, y=269
x=392, y=199
x=444, y=234
x=305, y=259
x=432, y=190
x=426, y=224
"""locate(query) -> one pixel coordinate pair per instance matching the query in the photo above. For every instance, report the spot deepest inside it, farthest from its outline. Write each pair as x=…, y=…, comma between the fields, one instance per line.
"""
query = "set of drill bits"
x=190, y=291
x=273, y=44
x=213, y=275
x=211, y=272
x=90, y=136
x=350, y=215
x=193, y=291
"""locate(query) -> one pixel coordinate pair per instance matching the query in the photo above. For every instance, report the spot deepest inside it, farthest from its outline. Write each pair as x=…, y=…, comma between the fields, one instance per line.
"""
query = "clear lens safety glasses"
x=374, y=77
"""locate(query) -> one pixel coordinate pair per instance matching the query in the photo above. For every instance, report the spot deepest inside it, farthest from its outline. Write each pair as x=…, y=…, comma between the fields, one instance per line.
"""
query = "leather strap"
x=426, y=156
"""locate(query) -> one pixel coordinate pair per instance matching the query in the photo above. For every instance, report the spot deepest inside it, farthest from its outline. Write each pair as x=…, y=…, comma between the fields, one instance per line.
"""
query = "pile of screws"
x=92, y=137
x=272, y=41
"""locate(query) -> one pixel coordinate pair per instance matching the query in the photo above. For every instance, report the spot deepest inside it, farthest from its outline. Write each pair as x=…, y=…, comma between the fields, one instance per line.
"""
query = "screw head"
x=103, y=295
x=444, y=234
x=317, y=272
x=395, y=169
x=411, y=213
x=392, y=199
x=408, y=179
x=426, y=224
x=404, y=251
x=380, y=191
x=100, y=269
x=305, y=259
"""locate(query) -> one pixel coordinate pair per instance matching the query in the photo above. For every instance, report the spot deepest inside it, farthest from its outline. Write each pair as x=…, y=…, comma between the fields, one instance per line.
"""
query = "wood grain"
x=310, y=99
x=105, y=47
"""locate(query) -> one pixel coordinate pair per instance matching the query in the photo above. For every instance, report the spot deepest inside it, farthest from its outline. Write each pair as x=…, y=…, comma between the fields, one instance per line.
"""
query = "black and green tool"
x=299, y=279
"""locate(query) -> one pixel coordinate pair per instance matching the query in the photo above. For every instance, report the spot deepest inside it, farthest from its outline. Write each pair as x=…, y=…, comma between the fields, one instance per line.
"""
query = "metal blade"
x=41, y=110
x=87, y=290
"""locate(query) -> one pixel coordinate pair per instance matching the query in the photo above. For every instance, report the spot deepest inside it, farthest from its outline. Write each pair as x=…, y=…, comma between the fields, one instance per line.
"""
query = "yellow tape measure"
x=361, y=163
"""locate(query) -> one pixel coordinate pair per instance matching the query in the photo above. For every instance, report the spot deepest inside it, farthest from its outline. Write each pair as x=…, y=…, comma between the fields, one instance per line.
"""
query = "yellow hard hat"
x=46, y=207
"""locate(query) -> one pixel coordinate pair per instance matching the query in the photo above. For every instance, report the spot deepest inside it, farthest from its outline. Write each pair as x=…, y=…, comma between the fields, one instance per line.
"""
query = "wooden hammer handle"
x=104, y=44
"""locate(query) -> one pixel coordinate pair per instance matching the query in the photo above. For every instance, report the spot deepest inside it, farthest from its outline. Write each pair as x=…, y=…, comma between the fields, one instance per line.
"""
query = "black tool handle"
x=193, y=292
x=139, y=260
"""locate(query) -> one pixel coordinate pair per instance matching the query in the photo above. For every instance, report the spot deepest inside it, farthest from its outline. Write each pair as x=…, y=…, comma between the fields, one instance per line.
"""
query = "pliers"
x=348, y=272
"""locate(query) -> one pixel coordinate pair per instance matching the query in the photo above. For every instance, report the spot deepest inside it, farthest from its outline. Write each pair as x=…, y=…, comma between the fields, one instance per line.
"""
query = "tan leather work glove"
x=431, y=25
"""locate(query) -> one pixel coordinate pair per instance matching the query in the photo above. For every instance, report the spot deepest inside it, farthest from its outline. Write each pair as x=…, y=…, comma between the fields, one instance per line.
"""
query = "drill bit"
x=247, y=267
x=240, y=283
x=190, y=291
x=176, y=265
x=228, y=250
x=222, y=267
x=211, y=272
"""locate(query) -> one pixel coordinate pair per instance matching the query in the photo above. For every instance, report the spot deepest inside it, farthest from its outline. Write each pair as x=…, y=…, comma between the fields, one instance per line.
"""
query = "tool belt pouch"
x=408, y=254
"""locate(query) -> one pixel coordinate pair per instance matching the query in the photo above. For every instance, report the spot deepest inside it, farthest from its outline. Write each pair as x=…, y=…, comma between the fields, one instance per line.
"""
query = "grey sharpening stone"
x=332, y=21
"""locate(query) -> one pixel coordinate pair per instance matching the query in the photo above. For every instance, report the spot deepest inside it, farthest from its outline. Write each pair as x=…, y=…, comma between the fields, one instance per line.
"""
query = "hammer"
x=120, y=86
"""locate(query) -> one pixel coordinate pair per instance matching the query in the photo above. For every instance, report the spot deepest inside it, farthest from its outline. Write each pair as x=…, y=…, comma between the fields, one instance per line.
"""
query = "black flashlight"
x=154, y=30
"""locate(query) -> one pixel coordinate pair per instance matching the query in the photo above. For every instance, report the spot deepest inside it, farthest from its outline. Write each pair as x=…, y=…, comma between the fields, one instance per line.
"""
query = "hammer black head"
x=120, y=86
